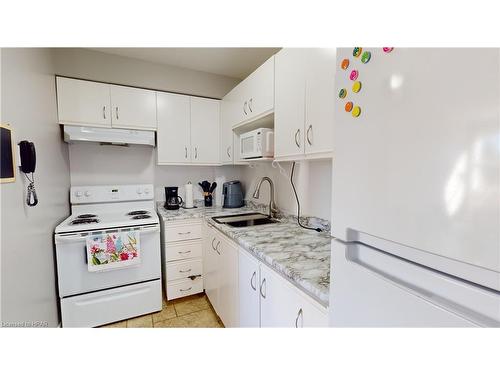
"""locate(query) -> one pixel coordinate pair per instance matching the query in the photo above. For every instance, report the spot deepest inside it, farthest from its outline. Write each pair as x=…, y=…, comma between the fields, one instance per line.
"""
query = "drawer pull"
x=184, y=271
x=263, y=284
x=186, y=290
x=299, y=314
x=254, y=287
x=193, y=277
x=184, y=252
x=183, y=233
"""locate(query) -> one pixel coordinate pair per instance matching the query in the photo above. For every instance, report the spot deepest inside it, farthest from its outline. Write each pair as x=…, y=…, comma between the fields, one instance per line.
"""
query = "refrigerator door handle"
x=442, y=290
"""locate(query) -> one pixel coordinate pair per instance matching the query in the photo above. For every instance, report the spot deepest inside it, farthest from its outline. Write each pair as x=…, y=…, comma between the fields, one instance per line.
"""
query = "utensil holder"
x=208, y=199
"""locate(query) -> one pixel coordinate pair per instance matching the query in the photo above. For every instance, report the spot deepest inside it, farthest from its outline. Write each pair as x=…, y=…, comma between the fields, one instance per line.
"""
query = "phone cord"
x=31, y=197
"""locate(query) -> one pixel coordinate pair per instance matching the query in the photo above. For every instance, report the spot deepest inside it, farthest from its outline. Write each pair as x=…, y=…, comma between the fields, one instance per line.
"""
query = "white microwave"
x=258, y=143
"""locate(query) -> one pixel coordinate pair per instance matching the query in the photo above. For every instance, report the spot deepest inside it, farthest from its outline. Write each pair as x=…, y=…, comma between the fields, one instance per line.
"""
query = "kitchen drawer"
x=183, y=269
x=184, y=287
x=111, y=305
x=175, y=233
x=183, y=250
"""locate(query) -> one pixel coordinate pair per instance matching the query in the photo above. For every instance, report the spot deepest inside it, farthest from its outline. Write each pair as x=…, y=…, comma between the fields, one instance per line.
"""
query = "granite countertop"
x=301, y=255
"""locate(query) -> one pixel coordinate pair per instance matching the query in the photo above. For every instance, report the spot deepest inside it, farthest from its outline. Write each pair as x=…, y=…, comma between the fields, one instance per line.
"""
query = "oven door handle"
x=79, y=237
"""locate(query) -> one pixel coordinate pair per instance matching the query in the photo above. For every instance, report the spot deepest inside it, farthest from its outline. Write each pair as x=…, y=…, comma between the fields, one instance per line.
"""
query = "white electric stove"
x=90, y=299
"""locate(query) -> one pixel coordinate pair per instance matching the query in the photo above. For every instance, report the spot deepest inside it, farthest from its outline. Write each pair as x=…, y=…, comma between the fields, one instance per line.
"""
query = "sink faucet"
x=272, y=205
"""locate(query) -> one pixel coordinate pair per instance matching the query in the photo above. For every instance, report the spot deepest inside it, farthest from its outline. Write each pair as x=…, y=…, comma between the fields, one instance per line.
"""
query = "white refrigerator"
x=416, y=188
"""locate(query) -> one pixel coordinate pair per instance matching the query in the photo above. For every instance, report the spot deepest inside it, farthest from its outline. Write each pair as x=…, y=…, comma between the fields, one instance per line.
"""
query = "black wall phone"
x=28, y=165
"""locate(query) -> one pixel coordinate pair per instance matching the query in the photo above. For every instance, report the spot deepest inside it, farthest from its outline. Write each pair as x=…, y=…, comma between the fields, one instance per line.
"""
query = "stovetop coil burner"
x=138, y=217
x=84, y=221
x=135, y=213
x=86, y=216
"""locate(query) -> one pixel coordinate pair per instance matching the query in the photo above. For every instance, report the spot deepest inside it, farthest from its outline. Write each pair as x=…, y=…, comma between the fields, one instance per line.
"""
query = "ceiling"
x=230, y=62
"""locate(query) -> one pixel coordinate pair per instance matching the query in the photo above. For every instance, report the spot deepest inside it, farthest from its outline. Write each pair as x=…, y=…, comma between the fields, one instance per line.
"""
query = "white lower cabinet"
x=246, y=293
x=248, y=268
x=283, y=305
x=269, y=300
x=221, y=276
x=211, y=265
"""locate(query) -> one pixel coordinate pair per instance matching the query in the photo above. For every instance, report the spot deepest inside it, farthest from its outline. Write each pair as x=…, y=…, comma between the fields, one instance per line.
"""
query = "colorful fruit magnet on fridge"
x=354, y=75
x=387, y=49
x=342, y=93
x=345, y=64
x=356, y=86
x=357, y=51
x=366, y=56
x=348, y=107
x=356, y=111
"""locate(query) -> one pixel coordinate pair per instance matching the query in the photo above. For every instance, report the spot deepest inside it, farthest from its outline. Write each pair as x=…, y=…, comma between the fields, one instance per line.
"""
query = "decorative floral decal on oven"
x=113, y=250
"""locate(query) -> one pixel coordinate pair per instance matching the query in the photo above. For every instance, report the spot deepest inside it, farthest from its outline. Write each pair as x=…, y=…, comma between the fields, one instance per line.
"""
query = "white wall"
x=312, y=180
x=29, y=104
x=99, y=66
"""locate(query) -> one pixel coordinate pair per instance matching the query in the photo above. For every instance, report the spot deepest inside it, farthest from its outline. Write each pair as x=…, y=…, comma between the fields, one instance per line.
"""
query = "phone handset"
x=28, y=165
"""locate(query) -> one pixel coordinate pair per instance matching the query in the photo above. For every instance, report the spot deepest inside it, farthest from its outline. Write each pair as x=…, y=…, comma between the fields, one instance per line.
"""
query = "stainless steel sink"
x=245, y=220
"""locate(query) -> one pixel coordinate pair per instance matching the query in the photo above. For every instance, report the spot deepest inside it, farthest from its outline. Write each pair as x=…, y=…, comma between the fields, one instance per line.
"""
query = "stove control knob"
x=139, y=191
x=78, y=194
x=88, y=193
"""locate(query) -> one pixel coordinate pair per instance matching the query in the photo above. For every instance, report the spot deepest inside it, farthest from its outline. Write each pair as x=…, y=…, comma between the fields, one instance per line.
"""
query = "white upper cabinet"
x=188, y=130
x=253, y=98
x=174, y=123
x=205, y=127
x=320, y=94
x=226, y=132
x=133, y=108
x=89, y=103
x=303, y=112
x=83, y=102
x=289, y=110
x=258, y=92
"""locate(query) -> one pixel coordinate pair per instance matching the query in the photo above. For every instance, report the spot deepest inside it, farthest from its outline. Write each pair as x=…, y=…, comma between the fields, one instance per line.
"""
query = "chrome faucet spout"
x=272, y=205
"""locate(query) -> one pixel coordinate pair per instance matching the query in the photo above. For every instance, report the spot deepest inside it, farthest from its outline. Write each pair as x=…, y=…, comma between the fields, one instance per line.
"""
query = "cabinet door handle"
x=184, y=252
x=185, y=290
x=183, y=233
x=104, y=112
x=250, y=104
x=184, y=271
x=262, y=285
x=297, y=133
x=252, y=279
x=116, y=112
x=245, y=108
x=196, y=152
x=299, y=314
x=307, y=134
x=227, y=151
x=213, y=247
x=185, y=152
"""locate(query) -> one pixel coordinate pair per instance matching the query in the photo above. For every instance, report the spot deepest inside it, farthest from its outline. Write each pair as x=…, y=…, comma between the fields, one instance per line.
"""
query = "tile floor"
x=188, y=312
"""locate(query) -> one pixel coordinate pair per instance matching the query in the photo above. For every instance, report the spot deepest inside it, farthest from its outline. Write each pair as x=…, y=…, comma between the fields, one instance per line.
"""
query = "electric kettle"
x=172, y=199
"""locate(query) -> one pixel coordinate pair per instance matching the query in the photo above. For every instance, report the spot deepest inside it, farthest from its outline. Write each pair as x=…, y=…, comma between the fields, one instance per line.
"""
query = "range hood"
x=112, y=136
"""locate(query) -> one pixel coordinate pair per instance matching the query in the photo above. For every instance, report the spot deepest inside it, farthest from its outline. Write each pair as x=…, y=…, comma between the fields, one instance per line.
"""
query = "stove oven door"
x=74, y=277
